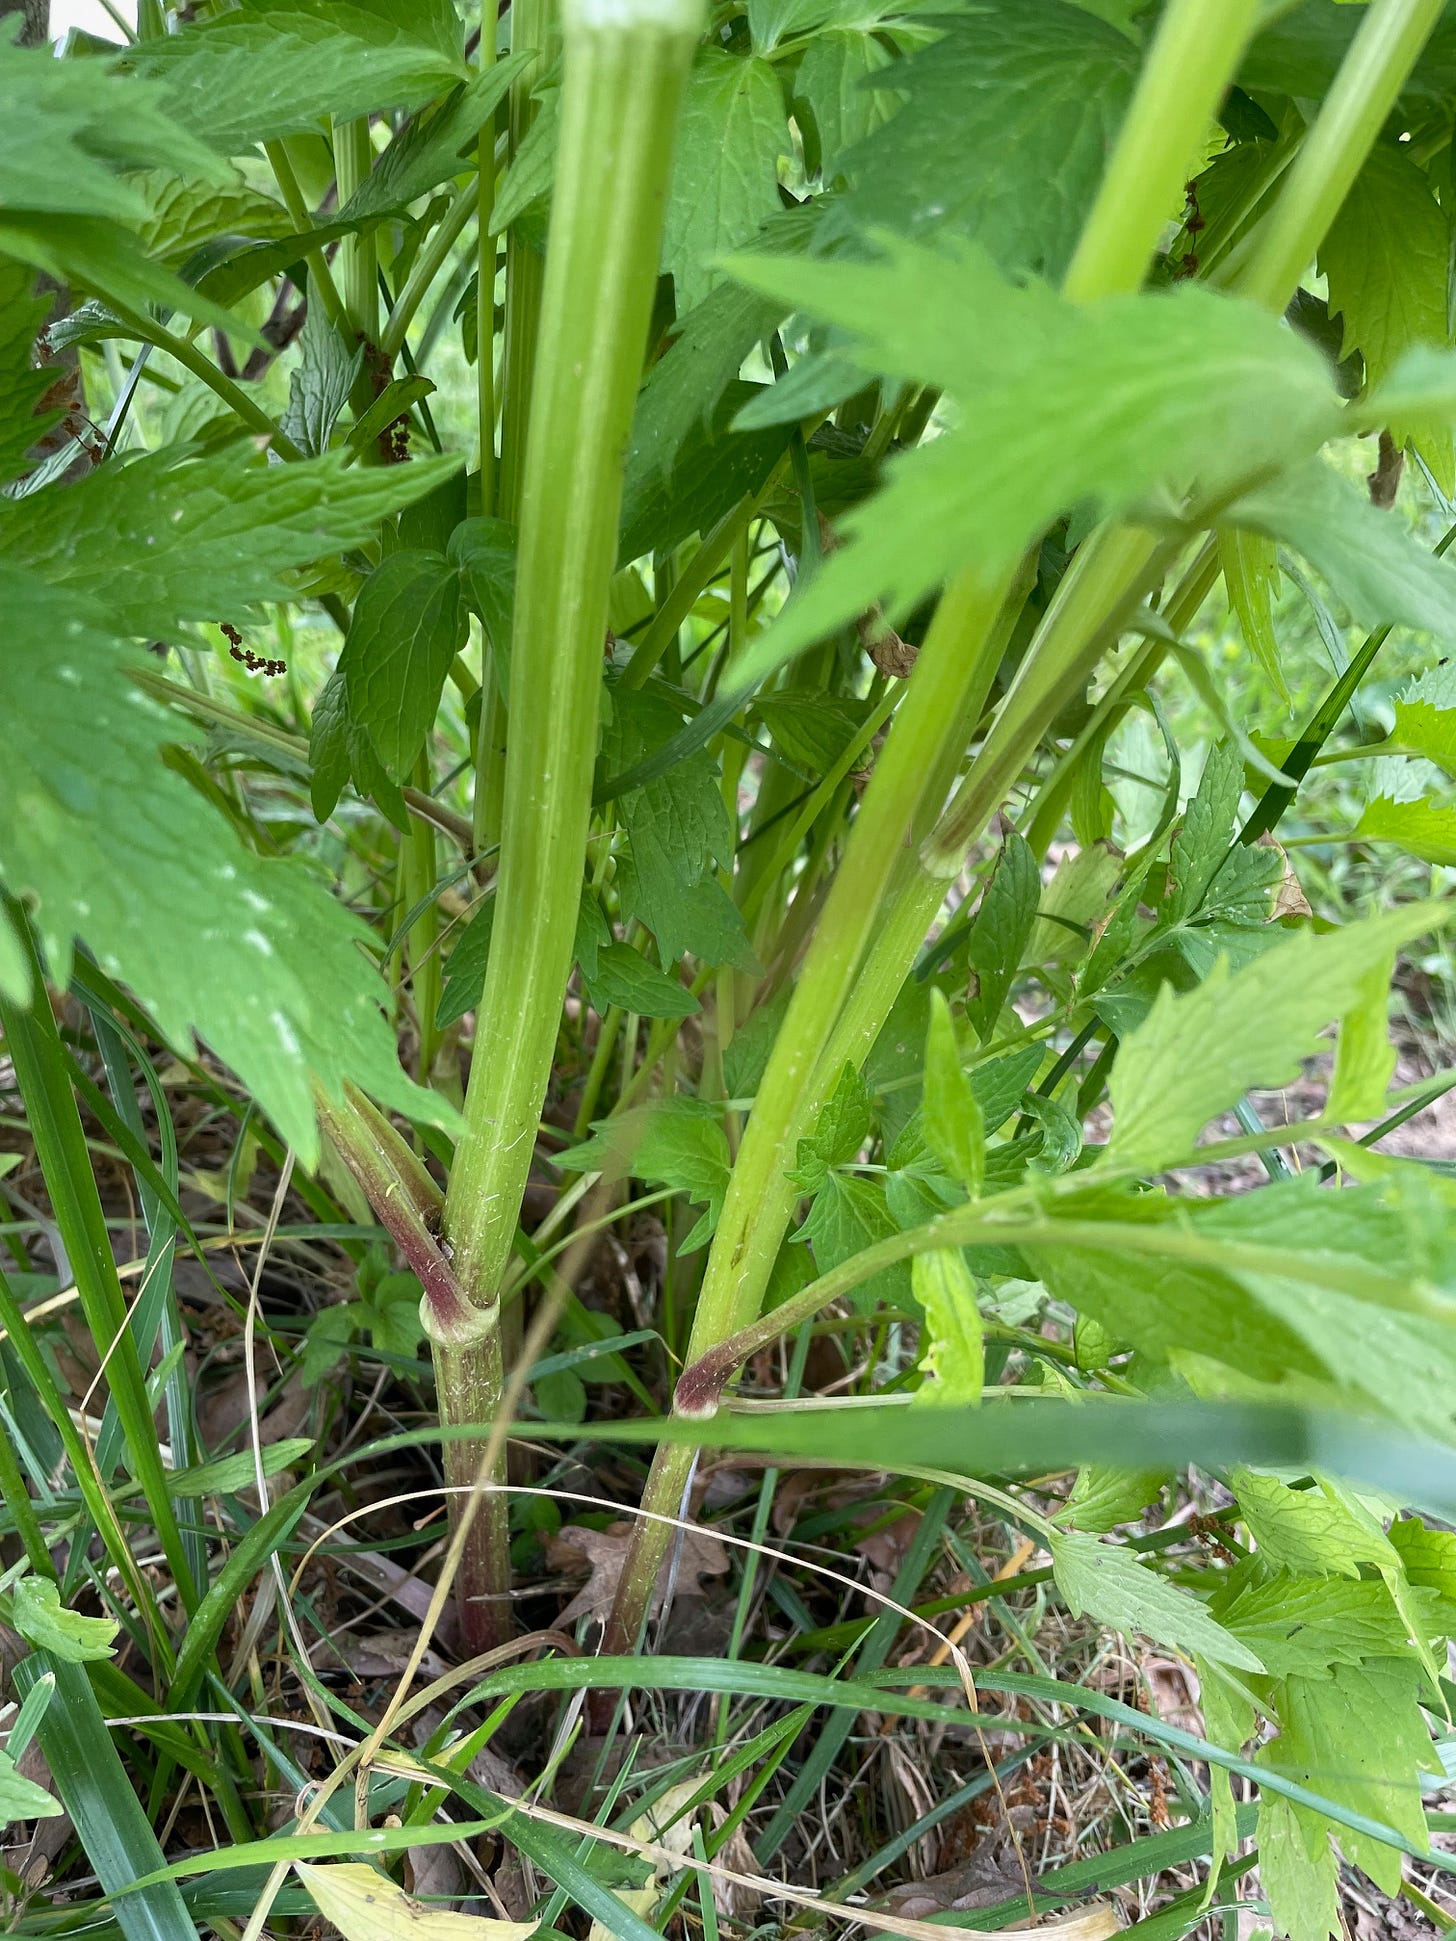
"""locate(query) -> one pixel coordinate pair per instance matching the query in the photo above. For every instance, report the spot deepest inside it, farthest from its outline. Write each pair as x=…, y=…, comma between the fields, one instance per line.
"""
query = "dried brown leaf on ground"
x=604, y=1552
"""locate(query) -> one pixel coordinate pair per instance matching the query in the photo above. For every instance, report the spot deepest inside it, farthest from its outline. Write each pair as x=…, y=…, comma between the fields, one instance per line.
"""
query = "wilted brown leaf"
x=604, y=1552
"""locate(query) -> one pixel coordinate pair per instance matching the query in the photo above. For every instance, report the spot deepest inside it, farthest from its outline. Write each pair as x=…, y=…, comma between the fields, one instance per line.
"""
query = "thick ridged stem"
x=531, y=31
x=626, y=63
x=353, y=159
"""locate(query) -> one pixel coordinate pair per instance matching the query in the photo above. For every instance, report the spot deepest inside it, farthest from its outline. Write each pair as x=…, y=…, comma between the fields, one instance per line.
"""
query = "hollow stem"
x=353, y=158
x=626, y=62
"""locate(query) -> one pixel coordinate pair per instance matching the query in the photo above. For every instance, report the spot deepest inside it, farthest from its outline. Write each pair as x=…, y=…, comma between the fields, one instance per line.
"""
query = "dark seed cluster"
x=255, y=663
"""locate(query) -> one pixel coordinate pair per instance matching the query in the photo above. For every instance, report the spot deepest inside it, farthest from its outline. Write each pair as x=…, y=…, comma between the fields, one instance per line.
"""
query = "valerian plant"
x=695, y=766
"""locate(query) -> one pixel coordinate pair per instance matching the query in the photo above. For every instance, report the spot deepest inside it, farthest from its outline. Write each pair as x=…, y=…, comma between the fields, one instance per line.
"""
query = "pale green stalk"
x=531, y=29
x=626, y=63
x=353, y=159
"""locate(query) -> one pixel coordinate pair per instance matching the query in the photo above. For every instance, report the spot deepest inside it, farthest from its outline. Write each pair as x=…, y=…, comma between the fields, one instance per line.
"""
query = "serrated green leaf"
x=725, y=180
x=1358, y=1737
x=1425, y=717
x=675, y=1142
x=1364, y=1057
x=264, y=72
x=1372, y=562
x=527, y=182
x=847, y=1215
x=1106, y=1582
x=154, y=542
x=1196, y=1054
x=1004, y=135
x=1428, y=1557
x=1072, y=904
x=832, y=83
x=1103, y=1497
x=1301, y=1530
x=1424, y=829
x=96, y=254
x=484, y=550
x=37, y=1613
x=1297, y=1869
x=108, y=844
x=1201, y=841
x=950, y=1114
x=715, y=466
x=1250, y=573
x=465, y=967
x=1305, y=1626
x=953, y=1349
x=624, y=977
x=1059, y=405
x=1386, y=260
x=712, y=341
x=998, y=935
x=678, y=826
x=320, y=382
x=69, y=128
x=183, y=214
x=407, y=627
x=843, y=1127
x=811, y=729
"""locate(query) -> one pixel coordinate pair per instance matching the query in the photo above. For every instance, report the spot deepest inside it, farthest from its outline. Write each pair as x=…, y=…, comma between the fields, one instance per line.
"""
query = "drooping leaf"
x=465, y=967
x=1108, y=1583
x=685, y=384
x=407, y=627
x=107, y=844
x=953, y=1356
x=156, y=542
x=484, y=550
x=725, y=180
x=1298, y=1870
x=1196, y=1054
x=21, y=1798
x=1250, y=574
x=714, y=467
x=624, y=977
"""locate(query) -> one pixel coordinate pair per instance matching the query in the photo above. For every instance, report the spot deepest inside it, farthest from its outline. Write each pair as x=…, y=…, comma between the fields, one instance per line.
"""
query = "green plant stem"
x=200, y=365
x=424, y=956
x=320, y=275
x=705, y=563
x=624, y=72
x=485, y=262
x=1198, y=46
x=1386, y=47
x=1142, y=183
x=358, y=264
x=531, y=30
x=34, y=1046
x=427, y=266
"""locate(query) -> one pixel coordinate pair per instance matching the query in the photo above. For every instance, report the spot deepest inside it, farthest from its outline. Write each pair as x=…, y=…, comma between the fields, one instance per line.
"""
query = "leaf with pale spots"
x=106, y=845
